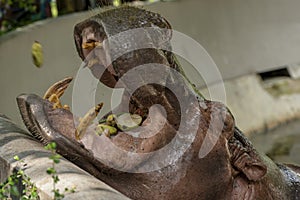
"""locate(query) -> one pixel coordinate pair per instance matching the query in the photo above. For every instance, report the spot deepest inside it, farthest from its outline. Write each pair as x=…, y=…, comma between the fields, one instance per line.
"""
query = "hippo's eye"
x=91, y=44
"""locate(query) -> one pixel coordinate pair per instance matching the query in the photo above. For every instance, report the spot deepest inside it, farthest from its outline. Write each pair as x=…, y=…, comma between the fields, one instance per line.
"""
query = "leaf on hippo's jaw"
x=106, y=130
x=128, y=121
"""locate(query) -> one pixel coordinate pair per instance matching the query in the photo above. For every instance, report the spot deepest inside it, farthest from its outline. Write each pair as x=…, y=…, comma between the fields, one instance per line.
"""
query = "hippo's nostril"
x=23, y=105
x=21, y=99
x=24, y=102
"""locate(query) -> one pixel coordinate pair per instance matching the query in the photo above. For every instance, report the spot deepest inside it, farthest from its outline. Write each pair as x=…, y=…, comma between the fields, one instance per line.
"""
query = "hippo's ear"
x=247, y=162
x=254, y=170
x=245, y=158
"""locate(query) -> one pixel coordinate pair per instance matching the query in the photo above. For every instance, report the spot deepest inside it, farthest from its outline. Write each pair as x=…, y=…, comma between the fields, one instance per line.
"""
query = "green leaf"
x=73, y=190
x=14, y=190
x=16, y=158
x=55, y=158
x=10, y=180
x=51, y=146
x=127, y=121
x=50, y=170
x=55, y=178
x=58, y=195
x=25, y=197
x=20, y=173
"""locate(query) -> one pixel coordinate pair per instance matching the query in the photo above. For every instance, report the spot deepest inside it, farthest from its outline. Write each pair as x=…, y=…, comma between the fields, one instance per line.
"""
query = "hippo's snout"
x=28, y=104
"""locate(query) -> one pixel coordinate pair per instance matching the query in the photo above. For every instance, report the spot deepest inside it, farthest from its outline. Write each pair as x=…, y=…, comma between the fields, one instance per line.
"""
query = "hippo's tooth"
x=87, y=120
x=58, y=88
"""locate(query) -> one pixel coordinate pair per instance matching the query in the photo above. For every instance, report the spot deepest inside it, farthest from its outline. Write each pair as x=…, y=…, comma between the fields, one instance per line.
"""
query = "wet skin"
x=233, y=169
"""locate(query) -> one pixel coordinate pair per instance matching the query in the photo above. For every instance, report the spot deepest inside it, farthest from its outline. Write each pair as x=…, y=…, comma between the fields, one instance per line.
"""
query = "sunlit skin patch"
x=57, y=103
x=92, y=62
x=91, y=45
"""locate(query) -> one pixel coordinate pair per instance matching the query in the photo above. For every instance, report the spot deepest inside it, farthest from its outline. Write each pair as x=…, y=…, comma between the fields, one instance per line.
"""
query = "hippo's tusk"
x=58, y=88
x=87, y=120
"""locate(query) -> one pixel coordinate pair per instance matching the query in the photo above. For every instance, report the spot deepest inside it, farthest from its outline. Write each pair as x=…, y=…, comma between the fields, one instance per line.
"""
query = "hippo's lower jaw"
x=57, y=125
x=253, y=176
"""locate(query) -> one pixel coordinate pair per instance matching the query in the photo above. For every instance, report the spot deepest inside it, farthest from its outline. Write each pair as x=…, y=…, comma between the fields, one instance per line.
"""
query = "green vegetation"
x=10, y=189
x=16, y=13
x=19, y=185
x=57, y=195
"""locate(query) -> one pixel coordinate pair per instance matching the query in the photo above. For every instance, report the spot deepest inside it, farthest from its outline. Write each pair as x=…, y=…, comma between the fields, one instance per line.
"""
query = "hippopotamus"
x=196, y=151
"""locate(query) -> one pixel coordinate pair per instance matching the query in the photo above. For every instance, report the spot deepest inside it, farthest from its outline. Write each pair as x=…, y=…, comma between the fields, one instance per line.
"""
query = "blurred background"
x=254, y=44
x=16, y=13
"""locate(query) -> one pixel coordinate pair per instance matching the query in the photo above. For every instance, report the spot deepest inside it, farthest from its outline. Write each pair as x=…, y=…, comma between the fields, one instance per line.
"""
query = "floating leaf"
x=37, y=54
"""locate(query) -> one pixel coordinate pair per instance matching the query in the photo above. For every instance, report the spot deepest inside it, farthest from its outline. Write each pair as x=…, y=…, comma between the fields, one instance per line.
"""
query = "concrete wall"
x=241, y=36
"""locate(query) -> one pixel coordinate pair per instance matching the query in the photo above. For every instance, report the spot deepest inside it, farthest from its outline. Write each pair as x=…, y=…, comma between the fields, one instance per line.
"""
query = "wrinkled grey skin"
x=232, y=170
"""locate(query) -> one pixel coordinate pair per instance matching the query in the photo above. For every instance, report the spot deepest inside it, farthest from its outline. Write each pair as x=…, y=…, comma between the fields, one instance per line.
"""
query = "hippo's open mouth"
x=47, y=123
